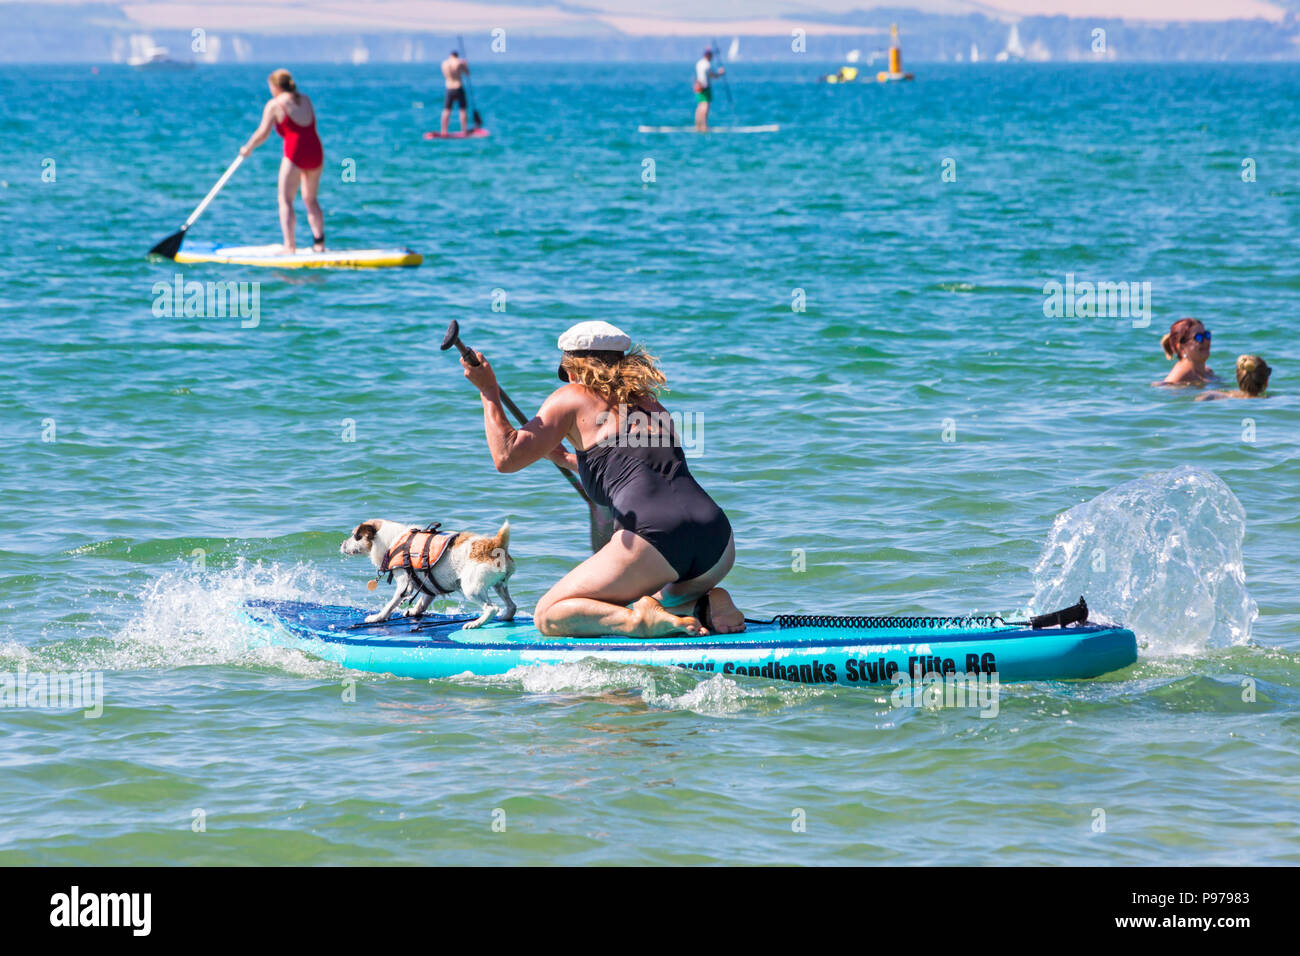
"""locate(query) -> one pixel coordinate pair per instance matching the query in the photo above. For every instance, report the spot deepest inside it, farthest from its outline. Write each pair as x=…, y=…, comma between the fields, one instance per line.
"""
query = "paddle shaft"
x=212, y=193
x=468, y=355
x=600, y=520
x=726, y=87
x=469, y=89
x=172, y=244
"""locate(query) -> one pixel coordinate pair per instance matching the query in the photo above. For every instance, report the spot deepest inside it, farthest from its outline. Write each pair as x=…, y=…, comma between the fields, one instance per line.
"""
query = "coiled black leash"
x=1075, y=614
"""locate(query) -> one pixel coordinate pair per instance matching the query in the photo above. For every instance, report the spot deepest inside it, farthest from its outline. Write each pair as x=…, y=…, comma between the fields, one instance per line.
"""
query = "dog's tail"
x=502, y=537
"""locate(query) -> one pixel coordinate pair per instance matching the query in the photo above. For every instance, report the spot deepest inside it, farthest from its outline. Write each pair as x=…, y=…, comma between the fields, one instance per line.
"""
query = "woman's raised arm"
x=516, y=448
x=263, y=130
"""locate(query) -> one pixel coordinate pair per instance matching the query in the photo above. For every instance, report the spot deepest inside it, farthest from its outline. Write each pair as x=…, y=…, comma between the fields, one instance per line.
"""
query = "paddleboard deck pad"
x=769, y=128
x=479, y=133
x=272, y=257
x=806, y=649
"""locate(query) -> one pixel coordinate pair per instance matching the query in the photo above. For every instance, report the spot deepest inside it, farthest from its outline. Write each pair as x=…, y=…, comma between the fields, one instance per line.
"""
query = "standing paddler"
x=704, y=74
x=671, y=545
x=292, y=115
x=454, y=68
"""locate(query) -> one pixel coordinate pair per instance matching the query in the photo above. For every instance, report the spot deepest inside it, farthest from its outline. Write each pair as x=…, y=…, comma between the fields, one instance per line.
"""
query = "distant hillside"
x=100, y=33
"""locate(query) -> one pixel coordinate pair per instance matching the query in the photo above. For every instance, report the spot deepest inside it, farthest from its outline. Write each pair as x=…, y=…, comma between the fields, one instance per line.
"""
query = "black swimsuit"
x=653, y=494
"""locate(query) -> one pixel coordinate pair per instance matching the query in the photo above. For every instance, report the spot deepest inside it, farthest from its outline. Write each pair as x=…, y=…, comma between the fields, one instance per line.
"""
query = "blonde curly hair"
x=1252, y=374
x=621, y=379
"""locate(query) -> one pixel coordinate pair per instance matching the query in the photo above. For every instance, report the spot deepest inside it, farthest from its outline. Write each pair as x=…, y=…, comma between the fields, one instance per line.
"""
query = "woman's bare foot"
x=651, y=619
x=726, y=617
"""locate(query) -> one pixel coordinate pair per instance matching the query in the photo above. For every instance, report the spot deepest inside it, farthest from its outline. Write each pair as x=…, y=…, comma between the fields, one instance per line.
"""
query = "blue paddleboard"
x=810, y=650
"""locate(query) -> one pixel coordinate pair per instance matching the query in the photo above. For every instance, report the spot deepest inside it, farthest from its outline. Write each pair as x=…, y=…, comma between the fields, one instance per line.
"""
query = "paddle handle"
x=212, y=193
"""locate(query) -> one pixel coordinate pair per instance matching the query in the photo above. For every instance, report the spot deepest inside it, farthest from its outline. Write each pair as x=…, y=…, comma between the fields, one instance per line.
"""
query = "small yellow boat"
x=845, y=74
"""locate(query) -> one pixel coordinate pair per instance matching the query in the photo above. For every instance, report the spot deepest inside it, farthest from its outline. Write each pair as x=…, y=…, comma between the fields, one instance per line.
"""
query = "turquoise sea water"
x=908, y=439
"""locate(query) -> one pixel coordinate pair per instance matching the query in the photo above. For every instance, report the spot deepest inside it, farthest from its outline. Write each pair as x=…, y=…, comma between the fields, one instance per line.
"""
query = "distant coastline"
x=103, y=33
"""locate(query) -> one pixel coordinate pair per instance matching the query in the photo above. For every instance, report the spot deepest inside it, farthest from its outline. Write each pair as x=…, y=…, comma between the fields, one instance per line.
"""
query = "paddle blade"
x=169, y=246
x=478, y=120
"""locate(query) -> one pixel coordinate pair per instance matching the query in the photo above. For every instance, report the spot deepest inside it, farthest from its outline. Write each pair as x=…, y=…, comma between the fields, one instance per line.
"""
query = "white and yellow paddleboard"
x=272, y=257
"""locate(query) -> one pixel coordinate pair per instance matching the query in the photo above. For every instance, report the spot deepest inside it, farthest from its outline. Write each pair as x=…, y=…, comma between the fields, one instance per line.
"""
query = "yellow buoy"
x=895, y=60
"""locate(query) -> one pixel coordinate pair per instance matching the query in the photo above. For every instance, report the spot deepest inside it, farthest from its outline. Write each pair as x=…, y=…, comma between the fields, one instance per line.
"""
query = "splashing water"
x=1162, y=554
x=188, y=617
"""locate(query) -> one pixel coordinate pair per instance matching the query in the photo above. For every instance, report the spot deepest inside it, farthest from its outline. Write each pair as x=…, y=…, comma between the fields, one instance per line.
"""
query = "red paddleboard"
x=472, y=134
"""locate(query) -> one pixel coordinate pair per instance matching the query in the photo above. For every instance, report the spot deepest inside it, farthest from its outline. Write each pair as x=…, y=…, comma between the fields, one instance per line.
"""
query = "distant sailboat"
x=733, y=51
x=146, y=55
x=360, y=54
x=1014, y=46
x=974, y=53
x=1015, y=50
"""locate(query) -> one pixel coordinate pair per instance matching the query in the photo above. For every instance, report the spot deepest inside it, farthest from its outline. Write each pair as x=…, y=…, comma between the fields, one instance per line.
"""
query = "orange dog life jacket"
x=418, y=551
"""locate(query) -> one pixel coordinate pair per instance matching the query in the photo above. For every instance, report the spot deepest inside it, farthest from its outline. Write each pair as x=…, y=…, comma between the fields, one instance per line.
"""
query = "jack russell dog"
x=429, y=563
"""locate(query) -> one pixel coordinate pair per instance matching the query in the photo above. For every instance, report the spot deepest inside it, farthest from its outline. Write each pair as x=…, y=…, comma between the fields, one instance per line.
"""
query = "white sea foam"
x=1161, y=554
x=189, y=617
x=715, y=696
x=580, y=677
x=722, y=696
x=11, y=652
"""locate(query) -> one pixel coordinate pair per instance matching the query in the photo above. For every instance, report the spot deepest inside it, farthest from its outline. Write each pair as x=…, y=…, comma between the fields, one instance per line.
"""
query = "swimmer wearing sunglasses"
x=1187, y=345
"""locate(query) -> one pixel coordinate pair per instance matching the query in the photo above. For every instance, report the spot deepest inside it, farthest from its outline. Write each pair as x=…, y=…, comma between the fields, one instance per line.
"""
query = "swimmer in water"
x=1187, y=342
x=1252, y=380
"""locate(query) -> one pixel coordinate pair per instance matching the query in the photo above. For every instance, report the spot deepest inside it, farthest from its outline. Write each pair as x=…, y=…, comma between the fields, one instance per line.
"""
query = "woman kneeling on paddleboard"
x=671, y=545
x=291, y=114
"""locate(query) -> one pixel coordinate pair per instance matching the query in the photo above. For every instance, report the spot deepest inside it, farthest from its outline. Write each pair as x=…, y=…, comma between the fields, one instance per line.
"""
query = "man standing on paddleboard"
x=453, y=68
x=704, y=73
x=672, y=544
x=292, y=115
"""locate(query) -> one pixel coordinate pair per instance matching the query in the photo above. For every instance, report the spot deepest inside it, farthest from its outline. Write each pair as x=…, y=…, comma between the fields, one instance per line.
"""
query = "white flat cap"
x=596, y=336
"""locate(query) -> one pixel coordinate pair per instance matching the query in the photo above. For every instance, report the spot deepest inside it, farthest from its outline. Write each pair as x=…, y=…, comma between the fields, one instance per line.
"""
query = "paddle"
x=469, y=90
x=726, y=87
x=172, y=244
x=601, y=521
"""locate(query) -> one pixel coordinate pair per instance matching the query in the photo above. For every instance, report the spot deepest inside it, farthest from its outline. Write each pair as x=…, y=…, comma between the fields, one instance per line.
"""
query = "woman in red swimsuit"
x=291, y=114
